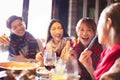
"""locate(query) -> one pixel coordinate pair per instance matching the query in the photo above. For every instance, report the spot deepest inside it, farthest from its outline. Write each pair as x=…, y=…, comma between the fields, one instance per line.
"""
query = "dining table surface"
x=37, y=74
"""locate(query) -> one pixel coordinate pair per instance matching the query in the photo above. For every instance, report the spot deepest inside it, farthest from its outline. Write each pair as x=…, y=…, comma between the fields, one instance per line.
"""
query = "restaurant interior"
x=69, y=12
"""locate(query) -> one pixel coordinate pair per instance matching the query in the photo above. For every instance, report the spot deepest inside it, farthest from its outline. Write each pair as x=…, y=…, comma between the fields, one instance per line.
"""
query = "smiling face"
x=18, y=27
x=56, y=31
x=85, y=34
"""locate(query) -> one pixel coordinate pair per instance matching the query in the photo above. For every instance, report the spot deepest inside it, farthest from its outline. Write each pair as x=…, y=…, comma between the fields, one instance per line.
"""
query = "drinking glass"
x=60, y=73
x=49, y=60
x=72, y=69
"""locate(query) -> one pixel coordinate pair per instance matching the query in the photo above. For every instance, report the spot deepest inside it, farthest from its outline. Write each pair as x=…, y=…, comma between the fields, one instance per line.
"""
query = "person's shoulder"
x=118, y=60
x=28, y=33
x=116, y=66
x=40, y=44
x=39, y=41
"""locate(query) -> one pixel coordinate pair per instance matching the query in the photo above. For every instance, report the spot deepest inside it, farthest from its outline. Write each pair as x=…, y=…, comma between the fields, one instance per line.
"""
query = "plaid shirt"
x=27, y=44
x=96, y=52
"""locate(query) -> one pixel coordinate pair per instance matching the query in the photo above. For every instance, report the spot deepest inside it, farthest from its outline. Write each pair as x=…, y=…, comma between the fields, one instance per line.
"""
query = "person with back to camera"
x=86, y=30
x=22, y=45
x=108, y=34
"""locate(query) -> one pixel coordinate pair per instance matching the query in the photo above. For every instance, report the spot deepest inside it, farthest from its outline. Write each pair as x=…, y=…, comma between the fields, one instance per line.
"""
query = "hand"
x=68, y=53
x=39, y=59
x=74, y=39
x=4, y=40
x=19, y=57
x=65, y=52
x=85, y=58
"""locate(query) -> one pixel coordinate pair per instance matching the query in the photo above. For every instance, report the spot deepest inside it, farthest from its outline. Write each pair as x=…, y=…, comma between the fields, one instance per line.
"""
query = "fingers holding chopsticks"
x=4, y=40
x=85, y=57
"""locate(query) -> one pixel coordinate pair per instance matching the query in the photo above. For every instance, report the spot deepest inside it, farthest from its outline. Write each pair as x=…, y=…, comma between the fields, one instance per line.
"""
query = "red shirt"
x=107, y=59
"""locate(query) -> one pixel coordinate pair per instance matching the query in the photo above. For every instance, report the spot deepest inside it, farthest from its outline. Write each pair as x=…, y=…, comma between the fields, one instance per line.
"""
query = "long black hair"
x=49, y=37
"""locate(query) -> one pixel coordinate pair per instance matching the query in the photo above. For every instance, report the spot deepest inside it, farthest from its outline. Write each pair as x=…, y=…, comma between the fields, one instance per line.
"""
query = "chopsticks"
x=92, y=42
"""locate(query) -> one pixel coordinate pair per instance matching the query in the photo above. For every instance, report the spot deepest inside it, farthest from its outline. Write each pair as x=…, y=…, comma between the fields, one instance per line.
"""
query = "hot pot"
x=18, y=65
x=21, y=70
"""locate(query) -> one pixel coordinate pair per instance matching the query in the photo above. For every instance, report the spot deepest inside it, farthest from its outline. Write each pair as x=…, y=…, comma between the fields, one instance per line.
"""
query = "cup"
x=49, y=60
x=72, y=69
x=42, y=74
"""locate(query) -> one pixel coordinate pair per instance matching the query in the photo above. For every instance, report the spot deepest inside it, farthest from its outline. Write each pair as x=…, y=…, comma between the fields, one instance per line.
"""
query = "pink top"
x=107, y=59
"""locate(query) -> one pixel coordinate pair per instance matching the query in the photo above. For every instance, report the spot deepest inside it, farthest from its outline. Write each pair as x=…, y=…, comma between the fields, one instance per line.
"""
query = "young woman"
x=109, y=35
x=56, y=37
x=56, y=40
x=86, y=30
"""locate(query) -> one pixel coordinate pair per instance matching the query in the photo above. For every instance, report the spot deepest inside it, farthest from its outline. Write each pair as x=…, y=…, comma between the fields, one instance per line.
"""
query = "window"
x=8, y=8
x=39, y=16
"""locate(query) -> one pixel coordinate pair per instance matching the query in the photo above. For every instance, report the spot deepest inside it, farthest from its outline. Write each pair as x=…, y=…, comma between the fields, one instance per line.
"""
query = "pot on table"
x=21, y=70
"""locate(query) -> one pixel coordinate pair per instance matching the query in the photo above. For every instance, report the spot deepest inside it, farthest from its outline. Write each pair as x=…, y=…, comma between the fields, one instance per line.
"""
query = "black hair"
x=12, y=19
x=49, y=37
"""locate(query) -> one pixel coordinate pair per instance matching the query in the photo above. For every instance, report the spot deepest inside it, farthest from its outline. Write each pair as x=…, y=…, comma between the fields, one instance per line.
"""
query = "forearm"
x=39, y=59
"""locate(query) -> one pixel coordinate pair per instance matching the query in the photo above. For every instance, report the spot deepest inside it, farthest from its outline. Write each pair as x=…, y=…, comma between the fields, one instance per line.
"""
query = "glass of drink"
x=49, y=60
x=60, y=71
x=72, y=69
